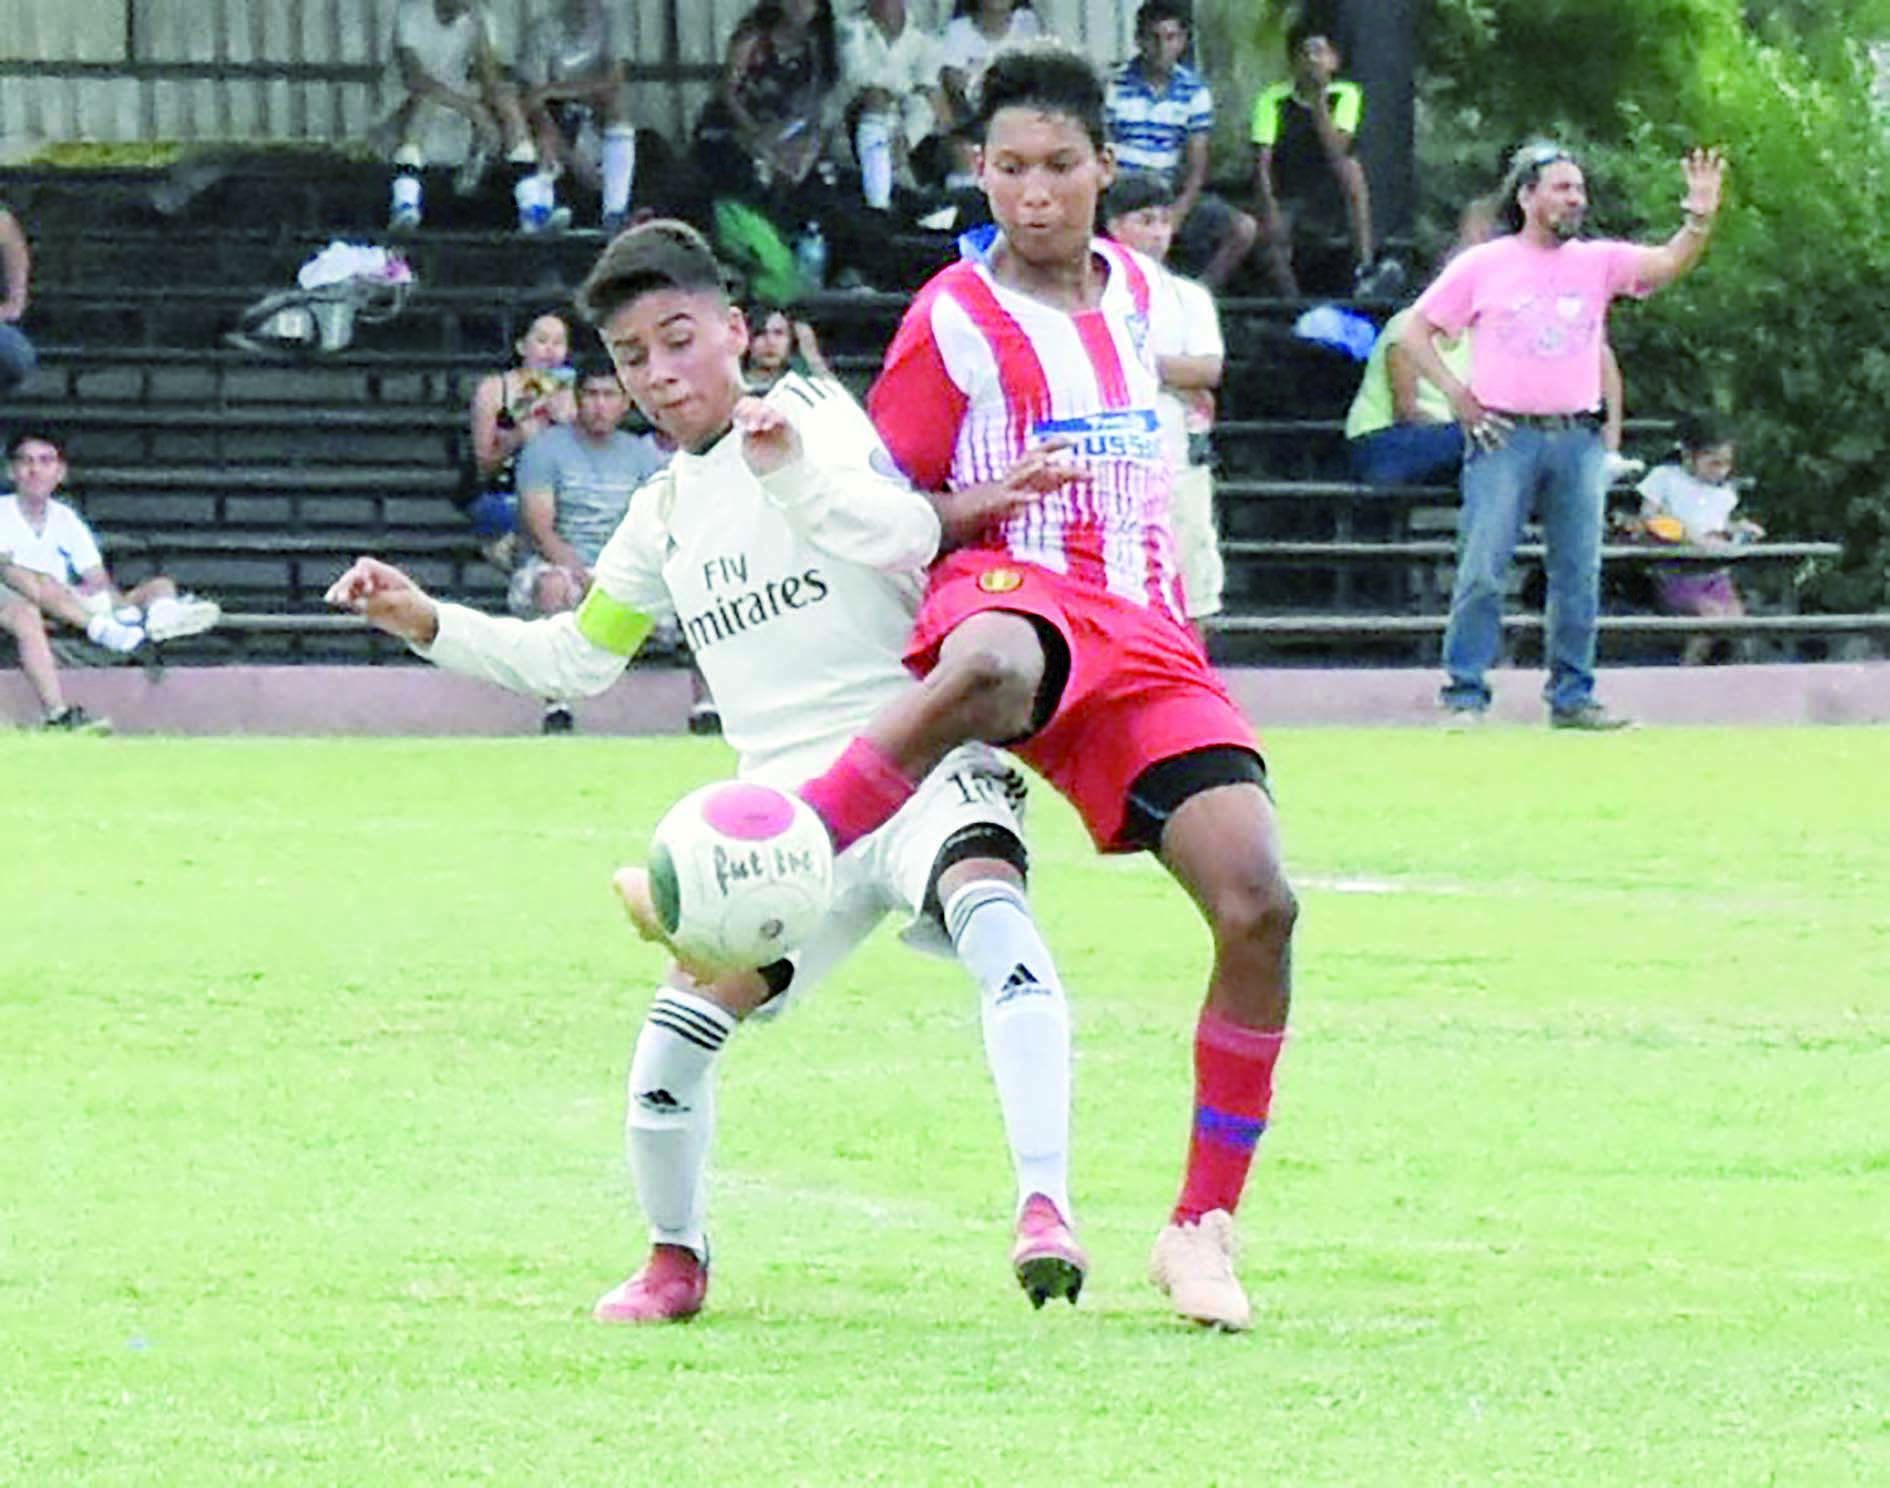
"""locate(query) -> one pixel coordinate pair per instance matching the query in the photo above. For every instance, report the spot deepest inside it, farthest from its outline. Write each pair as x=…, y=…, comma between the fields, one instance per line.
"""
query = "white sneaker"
x=169, y=619
x=1194, y=1265
x=119, y=636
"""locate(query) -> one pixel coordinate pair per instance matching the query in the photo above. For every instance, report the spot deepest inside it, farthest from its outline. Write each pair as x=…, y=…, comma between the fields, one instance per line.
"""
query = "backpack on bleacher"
x=345, y=285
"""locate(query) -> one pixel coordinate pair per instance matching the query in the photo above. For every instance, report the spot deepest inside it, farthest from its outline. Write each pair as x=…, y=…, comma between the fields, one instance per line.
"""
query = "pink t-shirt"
x=1536, y=317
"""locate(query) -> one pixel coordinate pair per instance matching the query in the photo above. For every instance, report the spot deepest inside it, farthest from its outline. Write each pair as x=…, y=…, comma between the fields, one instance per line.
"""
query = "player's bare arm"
x=968, y=511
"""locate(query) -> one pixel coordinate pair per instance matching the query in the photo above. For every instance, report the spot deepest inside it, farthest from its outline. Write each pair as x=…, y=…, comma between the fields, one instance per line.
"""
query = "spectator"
x=1693, y=502
x=573, y=73
x=889, y=69
x=457, y=103
x=1189, y=356
x=509, y=410
x=778, y=345
x=1401, y=429
x=52, y=568
x=976, y=30
x=1315, y=209
x=1535, y=303
x=17, y=357
x=574, y=485
x=768, y=123
x=1161, y=115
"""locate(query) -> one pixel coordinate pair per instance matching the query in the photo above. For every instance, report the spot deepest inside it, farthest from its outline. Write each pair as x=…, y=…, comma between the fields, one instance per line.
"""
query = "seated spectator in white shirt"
x=975, y=31
x=573, y=73
x=458, y=105
x=889, y=71
x=51, y=568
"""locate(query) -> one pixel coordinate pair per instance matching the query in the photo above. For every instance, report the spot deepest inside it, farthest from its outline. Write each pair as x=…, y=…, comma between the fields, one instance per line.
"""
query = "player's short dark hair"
x=1136, y=191
x=1047, y=76
x=1154, y=12
x=34, y=434
x=660, y=254
x=1703, y=429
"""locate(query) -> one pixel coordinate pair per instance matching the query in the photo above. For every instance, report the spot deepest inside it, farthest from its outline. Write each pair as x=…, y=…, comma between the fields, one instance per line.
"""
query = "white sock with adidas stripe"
x=1026, y=1031
x=671, y=1121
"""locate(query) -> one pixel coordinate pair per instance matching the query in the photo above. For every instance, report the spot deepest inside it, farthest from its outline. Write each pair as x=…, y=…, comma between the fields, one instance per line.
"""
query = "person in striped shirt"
x=1160, y=113
x=1020, y=391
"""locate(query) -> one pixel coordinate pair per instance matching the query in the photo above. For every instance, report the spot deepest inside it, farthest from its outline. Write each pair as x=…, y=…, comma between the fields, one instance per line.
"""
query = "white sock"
x=618, y=166
x=1026, y=1031
x=671, y=1119
x=406, y=191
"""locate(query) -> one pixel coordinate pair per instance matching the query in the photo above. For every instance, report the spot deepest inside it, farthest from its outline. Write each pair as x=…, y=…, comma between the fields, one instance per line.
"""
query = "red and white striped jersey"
x=979, y=373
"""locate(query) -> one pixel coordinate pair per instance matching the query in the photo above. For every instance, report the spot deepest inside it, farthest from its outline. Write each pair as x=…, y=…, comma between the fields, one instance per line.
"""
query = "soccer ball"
x=740, y=873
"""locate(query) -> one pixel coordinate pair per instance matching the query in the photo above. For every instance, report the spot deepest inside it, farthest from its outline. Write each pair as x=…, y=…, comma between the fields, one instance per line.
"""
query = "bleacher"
x=254, y=477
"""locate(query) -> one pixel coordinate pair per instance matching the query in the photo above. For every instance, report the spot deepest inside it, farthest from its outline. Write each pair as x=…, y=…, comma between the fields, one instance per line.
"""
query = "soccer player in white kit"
x=793, y=555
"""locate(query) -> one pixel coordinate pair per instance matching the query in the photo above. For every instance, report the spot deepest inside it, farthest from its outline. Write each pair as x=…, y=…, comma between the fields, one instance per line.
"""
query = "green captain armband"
x=611, y=625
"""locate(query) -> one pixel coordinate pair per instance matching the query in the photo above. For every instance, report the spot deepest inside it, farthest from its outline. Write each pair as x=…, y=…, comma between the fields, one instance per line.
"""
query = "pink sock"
x=859, y=793
x=1233, y=1087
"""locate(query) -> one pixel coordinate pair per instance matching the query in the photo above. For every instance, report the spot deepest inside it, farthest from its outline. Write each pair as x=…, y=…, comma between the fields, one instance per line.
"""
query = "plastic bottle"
x=810, y=256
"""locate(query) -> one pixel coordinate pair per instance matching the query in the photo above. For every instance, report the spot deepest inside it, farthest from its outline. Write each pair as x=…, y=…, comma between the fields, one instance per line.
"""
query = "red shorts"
x=1139, y=691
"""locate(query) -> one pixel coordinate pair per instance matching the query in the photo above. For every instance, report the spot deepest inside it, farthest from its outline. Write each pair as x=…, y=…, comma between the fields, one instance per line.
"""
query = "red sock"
x=1233, y=1087
x=859, y=793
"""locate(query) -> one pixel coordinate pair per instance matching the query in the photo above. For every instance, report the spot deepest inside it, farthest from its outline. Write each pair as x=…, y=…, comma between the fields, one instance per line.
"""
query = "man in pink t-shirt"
x=1535, y=302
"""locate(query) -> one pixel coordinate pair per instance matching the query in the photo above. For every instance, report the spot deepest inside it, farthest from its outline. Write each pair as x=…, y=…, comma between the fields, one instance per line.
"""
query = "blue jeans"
x=1407, y=454
x=17, y=357
x=1561, y=471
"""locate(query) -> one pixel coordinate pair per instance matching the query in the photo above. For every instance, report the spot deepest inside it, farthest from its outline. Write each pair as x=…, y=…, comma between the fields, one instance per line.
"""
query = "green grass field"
x=311, y=1079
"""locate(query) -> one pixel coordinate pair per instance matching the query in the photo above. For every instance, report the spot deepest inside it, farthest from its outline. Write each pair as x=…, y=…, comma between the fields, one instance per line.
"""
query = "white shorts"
x=973, y=786
x=1197, y=542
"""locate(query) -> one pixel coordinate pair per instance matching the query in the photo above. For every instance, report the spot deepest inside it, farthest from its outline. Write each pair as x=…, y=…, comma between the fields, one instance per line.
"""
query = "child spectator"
x=509, y=410
x=1160, y=115
x=1138, y=210
x=778, y=345
x=1315, y=209
x=1692, y=501
x=458, y=104
x=574, y=99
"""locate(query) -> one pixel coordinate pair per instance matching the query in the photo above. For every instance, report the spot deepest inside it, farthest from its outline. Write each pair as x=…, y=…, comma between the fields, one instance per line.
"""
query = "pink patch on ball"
x=748, y=813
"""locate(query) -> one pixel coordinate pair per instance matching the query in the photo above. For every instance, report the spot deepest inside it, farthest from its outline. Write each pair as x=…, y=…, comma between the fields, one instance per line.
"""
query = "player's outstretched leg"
x=668, y=1132
x=1026, y=1020
x=1223, y=846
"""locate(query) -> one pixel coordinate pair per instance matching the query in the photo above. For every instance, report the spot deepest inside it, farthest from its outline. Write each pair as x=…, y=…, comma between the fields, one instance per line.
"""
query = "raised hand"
x=1706, y=173
x=769, y=439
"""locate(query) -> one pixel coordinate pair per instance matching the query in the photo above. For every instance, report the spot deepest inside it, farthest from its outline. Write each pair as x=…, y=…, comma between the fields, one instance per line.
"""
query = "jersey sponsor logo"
x=735, y=614
x=1000, y=580
x=1120, y=434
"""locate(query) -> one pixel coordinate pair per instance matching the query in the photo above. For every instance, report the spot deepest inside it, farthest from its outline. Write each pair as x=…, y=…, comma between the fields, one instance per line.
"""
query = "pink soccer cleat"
x=1046, y=1258
x=669, y=1289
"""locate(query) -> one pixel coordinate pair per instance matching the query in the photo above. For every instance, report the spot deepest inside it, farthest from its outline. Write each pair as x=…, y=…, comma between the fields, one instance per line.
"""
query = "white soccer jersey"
x=980, y=373
x=63, y=549
x=796, y=592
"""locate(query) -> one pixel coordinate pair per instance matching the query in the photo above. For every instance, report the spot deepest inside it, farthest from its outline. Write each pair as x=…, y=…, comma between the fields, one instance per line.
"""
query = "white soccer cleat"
x=170, y=619
x=1194, y=1265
